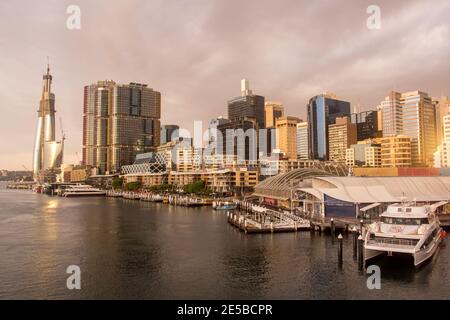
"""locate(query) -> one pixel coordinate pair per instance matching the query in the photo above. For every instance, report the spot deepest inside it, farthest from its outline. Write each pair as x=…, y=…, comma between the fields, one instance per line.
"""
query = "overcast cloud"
x=196, y=51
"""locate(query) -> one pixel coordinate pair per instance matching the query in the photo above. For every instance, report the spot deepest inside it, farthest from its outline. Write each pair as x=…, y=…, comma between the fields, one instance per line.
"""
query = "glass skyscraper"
x=322, y=110
x=119, y=121
x=247, y=105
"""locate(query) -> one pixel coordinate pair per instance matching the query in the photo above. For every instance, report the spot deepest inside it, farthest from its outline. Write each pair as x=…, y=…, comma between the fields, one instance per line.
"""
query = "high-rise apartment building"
x=302, y=141
x=341, y=135
x=247, y=105
x=412, y=114
x=119, y=121
x=322, y=111
x=169, y=132
x=366, y=124
x=287, y=136
x=273, y=110
x=396, y=151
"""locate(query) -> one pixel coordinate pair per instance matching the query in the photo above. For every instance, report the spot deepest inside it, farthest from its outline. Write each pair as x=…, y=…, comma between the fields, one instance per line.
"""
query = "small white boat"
x=82, y=190
x=405, y=228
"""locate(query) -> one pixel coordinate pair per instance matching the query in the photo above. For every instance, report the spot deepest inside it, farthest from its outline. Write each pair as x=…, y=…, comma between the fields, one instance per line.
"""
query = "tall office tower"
x=341, y=135
x=322, y=111
x=119, y=121
x=273, y=111
x=366, y=124
x=392, y=114
x=302, y=141
x=396, y=151
x=48, y=152
x=247, y=105
x=442, y=106
x=412, y=114
x=169, y=132
x=239, y=138
x=287, y=136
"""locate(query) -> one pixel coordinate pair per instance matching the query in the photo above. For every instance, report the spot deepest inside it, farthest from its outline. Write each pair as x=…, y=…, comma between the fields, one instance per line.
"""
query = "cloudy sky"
x=196, y=51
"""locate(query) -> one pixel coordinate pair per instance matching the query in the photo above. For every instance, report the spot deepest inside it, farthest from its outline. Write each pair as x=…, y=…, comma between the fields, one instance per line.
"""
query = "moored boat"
x=405, y=229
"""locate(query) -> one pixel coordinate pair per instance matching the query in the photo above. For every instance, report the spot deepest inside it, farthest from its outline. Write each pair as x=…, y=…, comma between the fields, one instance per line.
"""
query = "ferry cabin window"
x=405, y=221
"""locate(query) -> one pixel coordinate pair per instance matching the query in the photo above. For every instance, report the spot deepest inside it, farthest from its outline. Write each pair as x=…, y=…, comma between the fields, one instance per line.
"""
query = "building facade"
x=287, y=136
x=302, y=141
x=341, y=135
x=169, y=132
x=322, y=111
x=412, y=114
x=247, y=105
x=365, y=153
x=396, y=151
x=366, y=125
x=273, y=110
x=239, y=138
x=119, y=121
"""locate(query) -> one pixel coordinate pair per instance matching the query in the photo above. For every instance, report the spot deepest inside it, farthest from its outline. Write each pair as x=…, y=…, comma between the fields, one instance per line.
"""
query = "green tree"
x=132, y=186
x=117, y=183
x=195, y=187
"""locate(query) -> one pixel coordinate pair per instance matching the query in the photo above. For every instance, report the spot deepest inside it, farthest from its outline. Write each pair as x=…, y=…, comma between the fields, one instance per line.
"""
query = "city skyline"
x=197, y=80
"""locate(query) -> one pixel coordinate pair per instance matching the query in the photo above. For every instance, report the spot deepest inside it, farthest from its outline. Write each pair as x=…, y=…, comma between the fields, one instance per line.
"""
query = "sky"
x=195, y=52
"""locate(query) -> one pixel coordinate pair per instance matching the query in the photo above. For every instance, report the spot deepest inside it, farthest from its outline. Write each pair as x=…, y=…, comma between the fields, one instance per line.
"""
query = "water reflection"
x=129, y=249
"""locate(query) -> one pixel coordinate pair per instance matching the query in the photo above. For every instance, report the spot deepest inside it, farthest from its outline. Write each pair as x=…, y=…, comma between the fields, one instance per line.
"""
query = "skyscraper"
x=273, y=111
x=341, y=135
x=322, y=111
x=287, y=136
x=302, y=141
x=412, y=114
x=169, y=132
x=119, y=121
x=247, y=105
x=48, y=152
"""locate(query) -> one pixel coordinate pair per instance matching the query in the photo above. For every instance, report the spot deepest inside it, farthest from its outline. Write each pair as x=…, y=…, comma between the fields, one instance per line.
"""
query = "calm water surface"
x=129, y=249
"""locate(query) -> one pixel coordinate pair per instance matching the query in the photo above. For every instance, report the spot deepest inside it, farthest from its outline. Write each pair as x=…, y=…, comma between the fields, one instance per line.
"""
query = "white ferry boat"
x=405, y=228
x=82, y=190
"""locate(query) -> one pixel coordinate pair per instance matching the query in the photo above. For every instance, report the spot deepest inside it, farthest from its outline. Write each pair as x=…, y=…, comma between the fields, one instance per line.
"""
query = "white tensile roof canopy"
x=384, y=189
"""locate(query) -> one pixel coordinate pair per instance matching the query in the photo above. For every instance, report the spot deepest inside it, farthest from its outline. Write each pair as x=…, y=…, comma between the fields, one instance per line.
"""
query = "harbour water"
x=130, y=249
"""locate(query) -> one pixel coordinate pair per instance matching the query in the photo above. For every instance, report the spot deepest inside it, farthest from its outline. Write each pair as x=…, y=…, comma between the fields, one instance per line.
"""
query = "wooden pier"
x=251, y=218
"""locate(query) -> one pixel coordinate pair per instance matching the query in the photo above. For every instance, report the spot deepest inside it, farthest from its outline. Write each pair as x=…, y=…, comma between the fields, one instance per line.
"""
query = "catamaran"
x=405, y=228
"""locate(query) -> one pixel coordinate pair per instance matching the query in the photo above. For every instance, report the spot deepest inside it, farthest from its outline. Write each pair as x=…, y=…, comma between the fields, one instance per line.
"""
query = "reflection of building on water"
x=48, y=152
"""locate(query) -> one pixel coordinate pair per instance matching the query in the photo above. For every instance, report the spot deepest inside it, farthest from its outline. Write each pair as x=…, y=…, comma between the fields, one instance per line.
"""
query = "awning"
x=370, y=206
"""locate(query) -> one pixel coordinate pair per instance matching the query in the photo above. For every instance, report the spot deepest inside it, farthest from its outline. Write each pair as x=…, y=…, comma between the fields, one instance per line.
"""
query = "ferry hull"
x=419, y=256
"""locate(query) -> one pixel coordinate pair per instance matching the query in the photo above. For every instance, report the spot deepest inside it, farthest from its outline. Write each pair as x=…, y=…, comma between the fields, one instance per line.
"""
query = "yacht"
x=405, y=228
x=81, y=190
